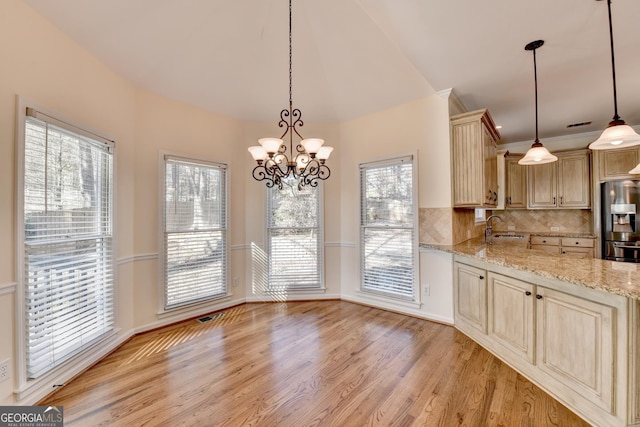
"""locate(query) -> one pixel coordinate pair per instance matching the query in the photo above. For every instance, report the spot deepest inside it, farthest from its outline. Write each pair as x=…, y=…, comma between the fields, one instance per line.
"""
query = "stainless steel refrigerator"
x=621, y=220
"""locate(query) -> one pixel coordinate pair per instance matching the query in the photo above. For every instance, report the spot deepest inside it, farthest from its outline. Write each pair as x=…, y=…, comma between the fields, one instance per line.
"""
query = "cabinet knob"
x=538, y=296
x=528, y=293
x=481, y=277
x=577, y=243
x=544, y=241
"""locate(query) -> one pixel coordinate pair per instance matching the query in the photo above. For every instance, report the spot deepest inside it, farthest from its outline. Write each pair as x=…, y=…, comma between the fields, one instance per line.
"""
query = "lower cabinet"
x=569, y=340
x=575, y=341
x=511, y=315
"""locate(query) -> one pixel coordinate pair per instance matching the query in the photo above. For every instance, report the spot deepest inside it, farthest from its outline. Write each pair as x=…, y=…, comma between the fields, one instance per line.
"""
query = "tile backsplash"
x=449, y=226
x=542, y=221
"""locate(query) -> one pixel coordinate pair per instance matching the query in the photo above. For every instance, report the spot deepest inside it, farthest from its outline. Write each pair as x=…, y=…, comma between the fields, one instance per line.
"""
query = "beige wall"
x=420, y=127
x=42, y=65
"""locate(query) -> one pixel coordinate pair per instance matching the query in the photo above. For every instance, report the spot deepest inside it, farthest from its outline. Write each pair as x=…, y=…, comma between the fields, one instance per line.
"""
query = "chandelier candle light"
x=306, y=164
x=618, y=134
x=537, y=154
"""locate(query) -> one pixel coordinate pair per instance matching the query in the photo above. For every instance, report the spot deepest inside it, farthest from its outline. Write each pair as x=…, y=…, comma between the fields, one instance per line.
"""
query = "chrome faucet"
x=488, y=232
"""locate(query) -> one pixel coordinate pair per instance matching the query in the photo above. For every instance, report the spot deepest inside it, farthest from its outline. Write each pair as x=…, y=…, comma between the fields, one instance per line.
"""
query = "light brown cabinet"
x=515, y=183
x=616, y=164
x=571, y=340
x=511, y=314
x=581, y=247
x=575, y=341
x=564, y=184
x=474, y=160
x=471, y=296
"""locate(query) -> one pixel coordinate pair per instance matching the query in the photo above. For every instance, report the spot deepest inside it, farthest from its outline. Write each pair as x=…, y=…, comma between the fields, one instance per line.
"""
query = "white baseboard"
x=402, y=309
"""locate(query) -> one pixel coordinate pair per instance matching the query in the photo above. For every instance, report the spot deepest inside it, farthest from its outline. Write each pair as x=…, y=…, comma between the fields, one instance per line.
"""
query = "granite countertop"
x=610, y=276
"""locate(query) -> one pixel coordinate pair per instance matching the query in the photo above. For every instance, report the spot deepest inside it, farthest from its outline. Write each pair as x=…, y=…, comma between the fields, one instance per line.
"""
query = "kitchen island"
x=570, y=325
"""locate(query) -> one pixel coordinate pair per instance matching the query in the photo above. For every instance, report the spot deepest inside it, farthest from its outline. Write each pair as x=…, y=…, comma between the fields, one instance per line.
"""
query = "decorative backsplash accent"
x=436, y=226
x=541, y=221
x=449, y=226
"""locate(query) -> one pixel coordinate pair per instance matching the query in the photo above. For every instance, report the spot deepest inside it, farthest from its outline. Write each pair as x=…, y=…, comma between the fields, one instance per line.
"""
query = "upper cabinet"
x=474, y=159
x=616, y=164
x=563, y=184
x=515, y=183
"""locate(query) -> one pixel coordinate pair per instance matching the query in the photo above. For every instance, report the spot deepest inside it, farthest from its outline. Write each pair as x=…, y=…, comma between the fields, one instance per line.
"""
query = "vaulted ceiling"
x=354, y=57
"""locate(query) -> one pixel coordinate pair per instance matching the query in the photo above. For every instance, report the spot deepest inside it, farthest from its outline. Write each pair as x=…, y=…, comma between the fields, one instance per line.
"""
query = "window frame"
x=163, y=310
x=321, y=287
x=80, y=360
x=414, y=300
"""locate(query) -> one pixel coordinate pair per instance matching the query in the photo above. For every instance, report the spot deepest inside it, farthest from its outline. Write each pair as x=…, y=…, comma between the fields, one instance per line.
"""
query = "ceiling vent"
x=575, y=125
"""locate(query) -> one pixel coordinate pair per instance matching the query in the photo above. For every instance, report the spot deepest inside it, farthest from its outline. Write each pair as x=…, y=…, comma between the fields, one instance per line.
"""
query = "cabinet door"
x=510, y=315
x=574, y=190
x=542, y=186
x=575, y=343
x=471, y=297
x=516, y=184
x=490, y=168
x=616, y=164
x=468, y=165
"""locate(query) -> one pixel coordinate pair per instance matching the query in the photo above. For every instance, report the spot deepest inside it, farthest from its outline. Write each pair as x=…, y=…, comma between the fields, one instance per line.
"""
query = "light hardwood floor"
x=321, y=363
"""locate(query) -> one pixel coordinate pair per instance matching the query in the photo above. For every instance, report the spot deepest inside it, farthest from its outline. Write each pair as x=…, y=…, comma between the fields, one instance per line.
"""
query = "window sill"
x=389, y=299
x=196, y=306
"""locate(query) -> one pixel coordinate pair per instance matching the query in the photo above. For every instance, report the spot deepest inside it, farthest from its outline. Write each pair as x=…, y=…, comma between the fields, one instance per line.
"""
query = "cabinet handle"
x=538, y=296
x=528, y=293
x=495, y=196
x=561, y=199
x=481, y=277
x=554, y=200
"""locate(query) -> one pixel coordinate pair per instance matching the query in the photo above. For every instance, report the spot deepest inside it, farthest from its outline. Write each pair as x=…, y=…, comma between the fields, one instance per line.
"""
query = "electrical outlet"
x=4, y=370
x=427, y=290
x=235, y=281
x=511, y=227
x=555, y=228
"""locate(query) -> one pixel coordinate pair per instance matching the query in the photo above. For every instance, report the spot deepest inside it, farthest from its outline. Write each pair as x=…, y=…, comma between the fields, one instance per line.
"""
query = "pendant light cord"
x=535, y=79
x=613, y=65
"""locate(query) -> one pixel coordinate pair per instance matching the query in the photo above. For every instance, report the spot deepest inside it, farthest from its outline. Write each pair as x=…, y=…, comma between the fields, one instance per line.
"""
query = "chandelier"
x=274, y=162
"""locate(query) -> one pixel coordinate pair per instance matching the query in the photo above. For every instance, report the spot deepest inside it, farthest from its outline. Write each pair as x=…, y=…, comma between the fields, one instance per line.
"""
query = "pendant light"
x=618, y=134
x=537, y=154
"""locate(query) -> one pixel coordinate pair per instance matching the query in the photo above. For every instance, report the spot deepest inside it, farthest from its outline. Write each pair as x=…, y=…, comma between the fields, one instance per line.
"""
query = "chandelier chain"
x=290, y=60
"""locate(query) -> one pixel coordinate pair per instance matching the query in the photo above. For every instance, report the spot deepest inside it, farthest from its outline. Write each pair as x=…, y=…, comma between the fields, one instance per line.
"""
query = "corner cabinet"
x=616, y=163
x=571, y=341
x=474, y=160
x=565, y=184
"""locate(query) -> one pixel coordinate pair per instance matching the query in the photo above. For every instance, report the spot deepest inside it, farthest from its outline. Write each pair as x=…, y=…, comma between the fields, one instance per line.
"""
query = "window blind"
x=68, y=243
x=388, y=227
x=294, y=237
x=195, y=231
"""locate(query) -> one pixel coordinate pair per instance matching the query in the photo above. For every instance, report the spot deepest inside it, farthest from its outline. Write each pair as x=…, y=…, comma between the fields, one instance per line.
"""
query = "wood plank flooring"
x=320, y=363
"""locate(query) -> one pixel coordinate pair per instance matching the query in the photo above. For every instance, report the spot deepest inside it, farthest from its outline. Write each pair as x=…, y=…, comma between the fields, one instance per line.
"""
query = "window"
x=195, y=231
x=67, y=246
x=388, y=228
x=294, y=237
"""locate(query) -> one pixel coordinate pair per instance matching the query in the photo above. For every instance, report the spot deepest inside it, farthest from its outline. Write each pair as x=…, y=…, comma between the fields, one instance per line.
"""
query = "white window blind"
x=195, y=231
x=68, y=242
x=388, y=228
x=294, y=236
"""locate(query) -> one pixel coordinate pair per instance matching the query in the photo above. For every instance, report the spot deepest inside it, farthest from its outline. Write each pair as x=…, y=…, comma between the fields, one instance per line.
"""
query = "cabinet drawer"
x=547, y=248
x=578, y=252
x=579, y=242
x=544, y=240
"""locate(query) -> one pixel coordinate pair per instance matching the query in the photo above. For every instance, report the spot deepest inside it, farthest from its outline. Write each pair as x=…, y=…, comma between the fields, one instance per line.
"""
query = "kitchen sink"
x=508, y=236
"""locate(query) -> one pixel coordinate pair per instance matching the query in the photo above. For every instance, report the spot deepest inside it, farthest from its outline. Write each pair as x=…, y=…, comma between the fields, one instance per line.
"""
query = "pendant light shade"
x=617, y=134
x=537, y=154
